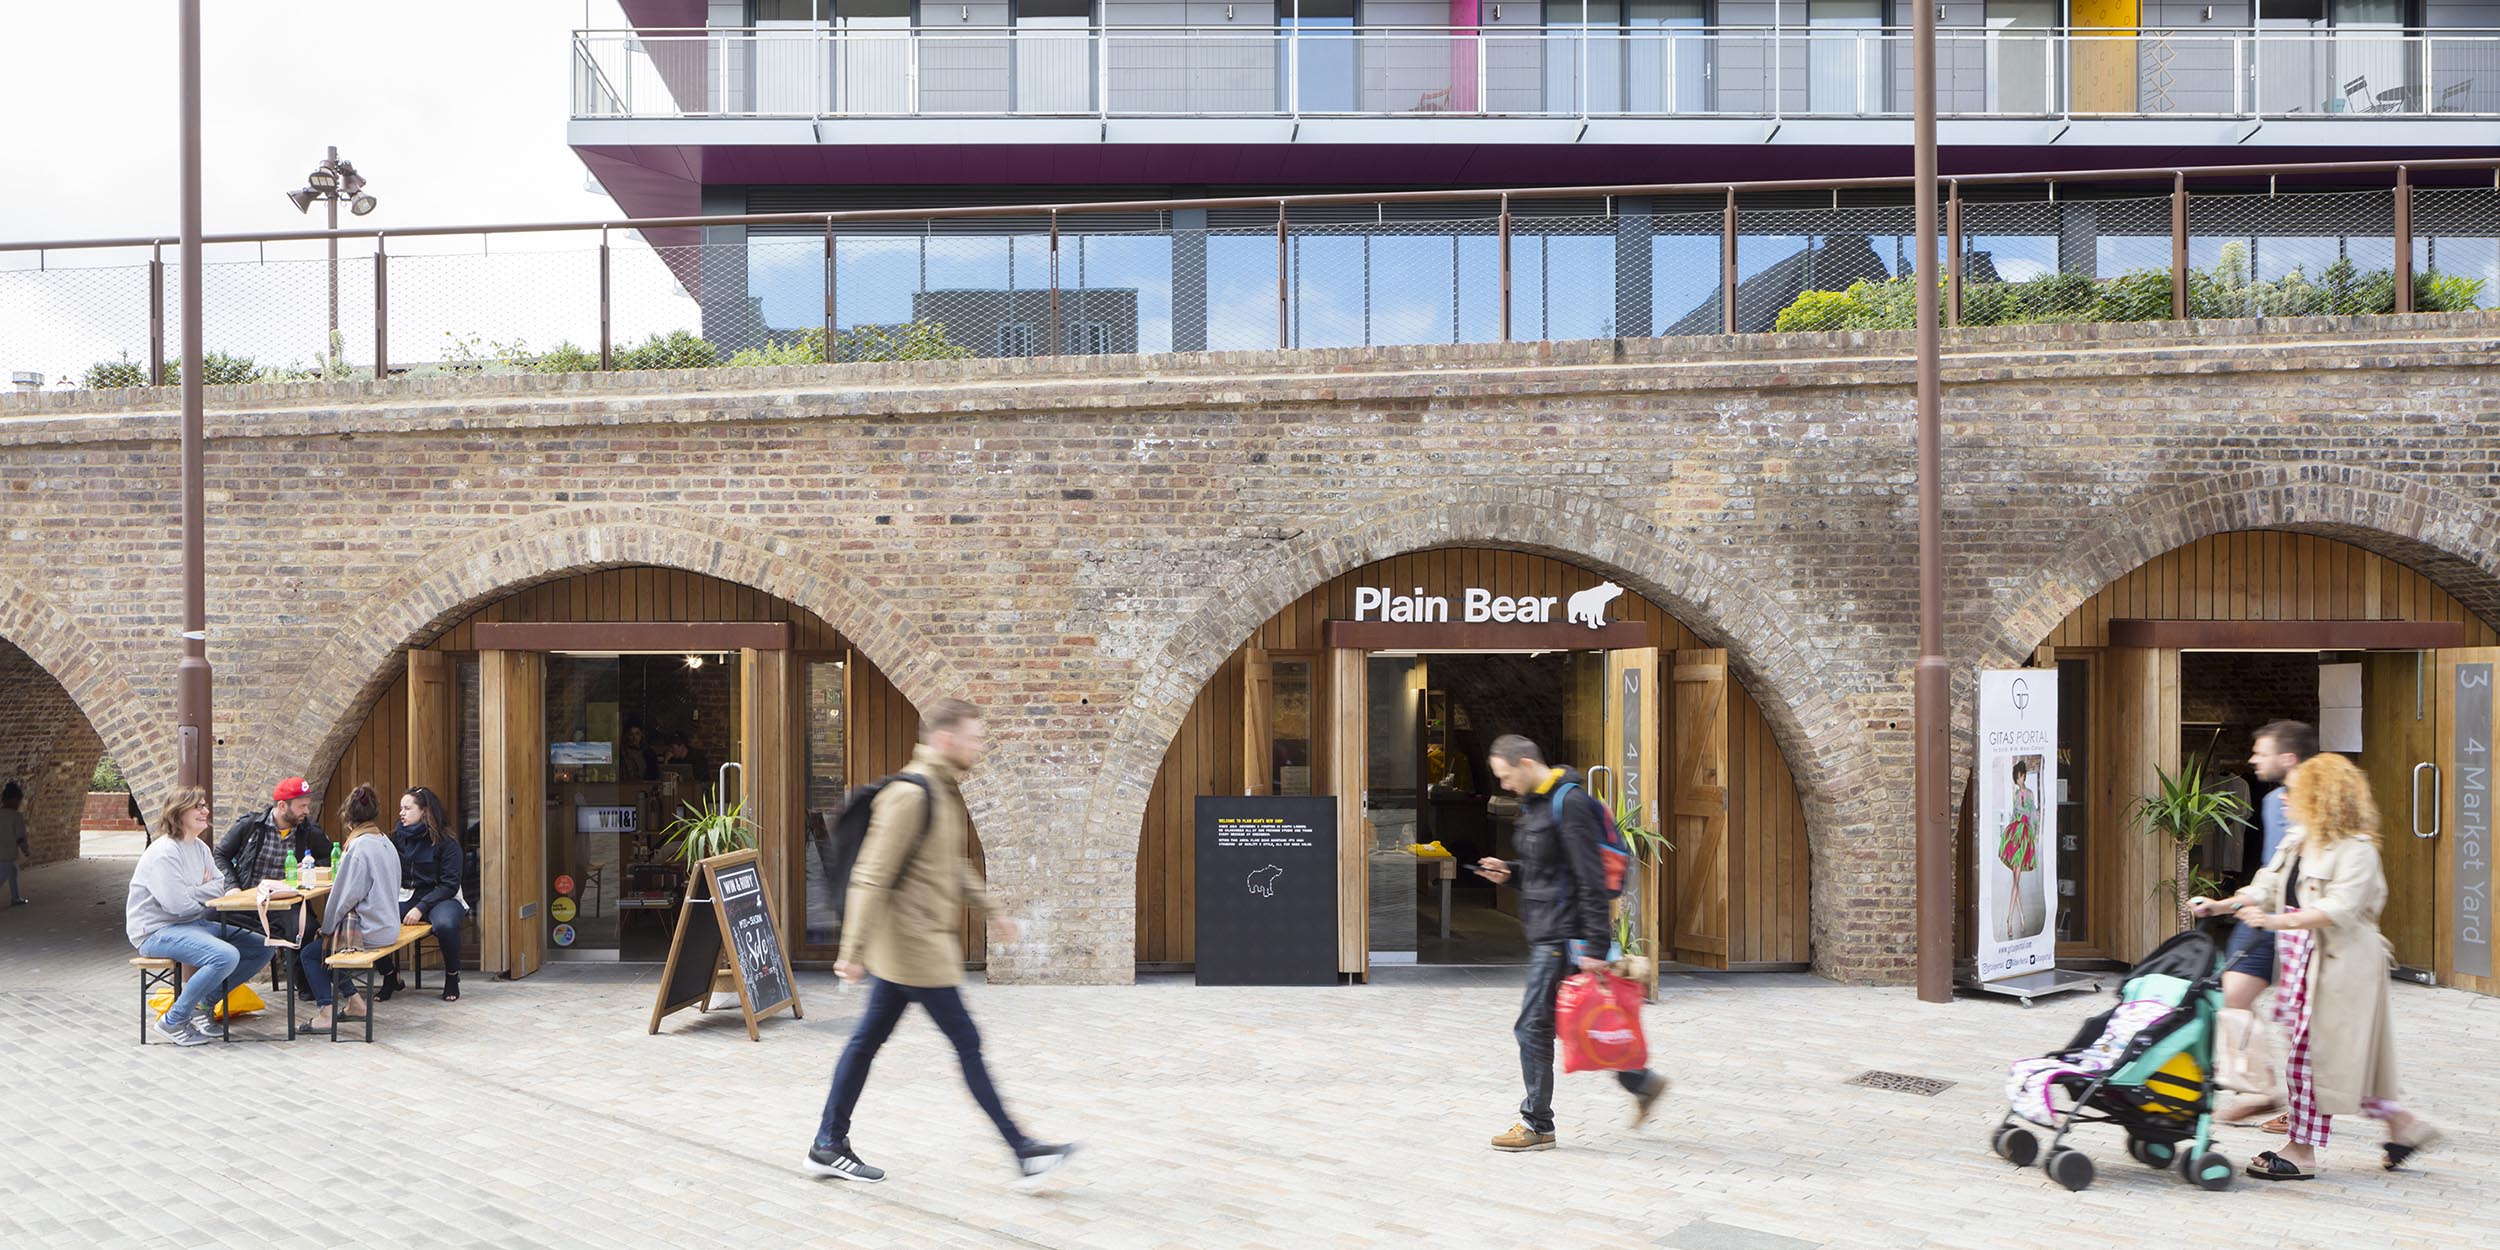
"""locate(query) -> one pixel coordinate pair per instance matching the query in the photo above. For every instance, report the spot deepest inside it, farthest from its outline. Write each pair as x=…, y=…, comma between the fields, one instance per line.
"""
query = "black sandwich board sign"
x=1267, y=890
x=729, y=889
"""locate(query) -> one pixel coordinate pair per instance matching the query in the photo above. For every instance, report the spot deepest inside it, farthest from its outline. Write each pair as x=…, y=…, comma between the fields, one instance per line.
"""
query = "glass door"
x=2022, y=47
x=1667, y=57
x=1319, y=56
x=1843, y=38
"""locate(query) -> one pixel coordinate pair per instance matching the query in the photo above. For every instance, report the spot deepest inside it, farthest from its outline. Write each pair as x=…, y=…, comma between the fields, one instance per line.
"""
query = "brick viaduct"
x=1078, y=544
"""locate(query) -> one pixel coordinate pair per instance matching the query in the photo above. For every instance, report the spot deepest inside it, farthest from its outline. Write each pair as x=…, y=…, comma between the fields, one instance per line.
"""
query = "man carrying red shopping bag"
x=1564, y=905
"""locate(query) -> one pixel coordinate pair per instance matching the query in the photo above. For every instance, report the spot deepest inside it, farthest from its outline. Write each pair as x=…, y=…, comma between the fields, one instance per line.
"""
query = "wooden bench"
x=154, y=972
x=363, y=972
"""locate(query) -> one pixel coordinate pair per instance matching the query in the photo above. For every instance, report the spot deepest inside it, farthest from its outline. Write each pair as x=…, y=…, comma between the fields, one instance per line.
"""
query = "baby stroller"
x=2146, y=1065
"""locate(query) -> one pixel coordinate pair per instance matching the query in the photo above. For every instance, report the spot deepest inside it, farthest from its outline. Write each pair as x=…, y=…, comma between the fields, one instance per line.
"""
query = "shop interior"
x=634, y=742
x=1431, y=720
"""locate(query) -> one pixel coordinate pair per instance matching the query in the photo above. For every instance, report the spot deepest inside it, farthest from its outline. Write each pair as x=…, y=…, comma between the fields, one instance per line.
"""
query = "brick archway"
x=2449, y=538
x=1807, y=709
x=65, y=703
x=447, y=584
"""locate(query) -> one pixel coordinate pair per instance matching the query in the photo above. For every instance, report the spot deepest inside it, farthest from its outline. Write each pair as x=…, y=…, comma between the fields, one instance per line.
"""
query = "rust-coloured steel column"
x=1283, y=339
x=194, y=714
x=1058, y=346
x=1505, y=229
x=156, y=315
x=607, y=325
x=1727, y=265
x=2178, y=248
x=381, y=309
x=1953, y=254
x=832, y=289
x=2404, y=240
x=1931, y=741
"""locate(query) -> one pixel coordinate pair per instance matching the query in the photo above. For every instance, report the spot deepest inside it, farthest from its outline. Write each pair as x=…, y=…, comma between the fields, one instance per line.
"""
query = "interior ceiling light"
x=694, y=661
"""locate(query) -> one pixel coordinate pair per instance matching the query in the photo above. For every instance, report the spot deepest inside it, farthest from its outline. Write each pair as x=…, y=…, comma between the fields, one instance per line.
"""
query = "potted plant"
x=1634, y=961
x=705, y=828
x=2184, y=807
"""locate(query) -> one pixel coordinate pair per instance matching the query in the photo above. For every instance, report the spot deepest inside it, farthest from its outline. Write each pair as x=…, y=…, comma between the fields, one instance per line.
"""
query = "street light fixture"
x=331, y=181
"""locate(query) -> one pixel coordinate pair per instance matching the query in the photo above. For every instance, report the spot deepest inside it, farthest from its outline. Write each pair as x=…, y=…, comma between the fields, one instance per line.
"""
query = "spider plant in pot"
x=707, y=827
x=2186, y=807
x=1648, y=848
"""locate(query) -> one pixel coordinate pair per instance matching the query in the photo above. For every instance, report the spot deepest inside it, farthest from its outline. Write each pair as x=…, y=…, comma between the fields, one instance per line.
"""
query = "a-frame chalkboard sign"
x=729, y=888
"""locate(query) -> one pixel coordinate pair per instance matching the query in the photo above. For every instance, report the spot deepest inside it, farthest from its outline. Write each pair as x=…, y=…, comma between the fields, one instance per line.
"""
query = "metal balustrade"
x=1559, y=71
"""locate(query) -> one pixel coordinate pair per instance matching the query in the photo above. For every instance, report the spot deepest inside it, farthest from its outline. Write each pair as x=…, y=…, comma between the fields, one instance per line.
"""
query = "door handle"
x=2417, y=800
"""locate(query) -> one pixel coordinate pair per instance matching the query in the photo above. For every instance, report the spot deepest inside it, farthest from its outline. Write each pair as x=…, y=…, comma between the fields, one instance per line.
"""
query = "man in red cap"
x=262, y=840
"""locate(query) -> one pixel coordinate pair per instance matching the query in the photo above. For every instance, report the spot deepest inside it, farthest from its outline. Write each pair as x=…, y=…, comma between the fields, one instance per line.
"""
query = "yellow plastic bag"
x=241, y=1002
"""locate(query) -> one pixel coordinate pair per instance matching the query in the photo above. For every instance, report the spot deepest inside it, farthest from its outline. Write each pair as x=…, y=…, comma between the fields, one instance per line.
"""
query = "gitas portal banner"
x=2017, y=822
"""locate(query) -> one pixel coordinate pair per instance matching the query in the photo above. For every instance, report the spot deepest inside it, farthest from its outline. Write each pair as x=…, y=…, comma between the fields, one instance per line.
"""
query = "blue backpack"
x=1613, y=850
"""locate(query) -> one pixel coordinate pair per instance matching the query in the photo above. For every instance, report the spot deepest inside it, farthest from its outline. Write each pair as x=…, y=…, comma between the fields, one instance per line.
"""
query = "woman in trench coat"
x=2321, y=897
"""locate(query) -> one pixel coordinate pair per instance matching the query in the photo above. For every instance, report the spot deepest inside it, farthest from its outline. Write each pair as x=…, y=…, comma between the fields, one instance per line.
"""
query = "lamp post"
x=331, y=181
x=1931, y=762
x=194, y=740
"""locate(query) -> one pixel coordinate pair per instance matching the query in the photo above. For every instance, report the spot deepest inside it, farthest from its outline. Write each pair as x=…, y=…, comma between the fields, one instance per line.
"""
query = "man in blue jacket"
x=1564, y=909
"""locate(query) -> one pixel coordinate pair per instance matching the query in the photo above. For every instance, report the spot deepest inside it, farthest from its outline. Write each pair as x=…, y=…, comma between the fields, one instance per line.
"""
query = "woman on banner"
x=2018, y=847
x=2320, y=897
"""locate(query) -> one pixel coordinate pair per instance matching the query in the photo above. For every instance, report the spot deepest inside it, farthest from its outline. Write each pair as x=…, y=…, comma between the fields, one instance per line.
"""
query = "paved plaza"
x=540, y=1114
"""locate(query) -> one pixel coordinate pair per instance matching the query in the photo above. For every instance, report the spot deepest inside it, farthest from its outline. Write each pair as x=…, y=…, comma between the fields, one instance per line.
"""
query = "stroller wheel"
x=2069, y=1167
x=2157, y=1155
x=2015, y=1145
x=2209, y=1170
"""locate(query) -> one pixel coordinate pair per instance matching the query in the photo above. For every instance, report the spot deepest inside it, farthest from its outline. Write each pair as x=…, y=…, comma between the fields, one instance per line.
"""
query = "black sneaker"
x=839, y=1162
x=1035, y=1158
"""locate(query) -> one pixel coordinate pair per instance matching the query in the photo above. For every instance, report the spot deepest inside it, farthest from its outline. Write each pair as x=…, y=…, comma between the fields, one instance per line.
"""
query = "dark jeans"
x=886, y=1001
x=308, y=961
x=1548, y=964
x=446, y=917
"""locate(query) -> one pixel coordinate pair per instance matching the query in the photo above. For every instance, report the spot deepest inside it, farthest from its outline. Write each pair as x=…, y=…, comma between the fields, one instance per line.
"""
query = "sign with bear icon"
x=1267, y=890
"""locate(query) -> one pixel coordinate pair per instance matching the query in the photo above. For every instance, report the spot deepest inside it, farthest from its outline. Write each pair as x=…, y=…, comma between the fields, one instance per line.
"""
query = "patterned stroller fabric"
x=2030, y=1084
x=2019, y=847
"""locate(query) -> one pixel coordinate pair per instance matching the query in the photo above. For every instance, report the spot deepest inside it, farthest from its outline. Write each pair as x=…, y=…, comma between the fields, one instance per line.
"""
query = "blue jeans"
x=445, y=917
x=8, y=872
x=886, y=1002
x=1548, y=964
x=309, y=960
x=223, y=957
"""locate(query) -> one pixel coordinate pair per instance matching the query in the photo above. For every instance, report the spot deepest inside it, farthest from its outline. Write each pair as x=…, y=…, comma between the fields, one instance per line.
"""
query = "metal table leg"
x=1445, y=907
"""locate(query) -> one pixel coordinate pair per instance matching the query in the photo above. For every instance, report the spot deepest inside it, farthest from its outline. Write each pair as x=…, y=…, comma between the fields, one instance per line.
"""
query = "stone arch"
x=67, y=704
x=1806, y=708
x=2449, y=538
x=461, y=576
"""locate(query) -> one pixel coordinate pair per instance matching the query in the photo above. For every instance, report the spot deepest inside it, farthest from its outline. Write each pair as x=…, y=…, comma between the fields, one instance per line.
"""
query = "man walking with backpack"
x=912, y=880
x=1564, y=907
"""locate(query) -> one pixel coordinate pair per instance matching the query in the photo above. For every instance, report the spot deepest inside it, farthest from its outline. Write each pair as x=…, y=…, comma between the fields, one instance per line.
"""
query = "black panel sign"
x=754, y=947
x=1267, y=890
x=729, y=890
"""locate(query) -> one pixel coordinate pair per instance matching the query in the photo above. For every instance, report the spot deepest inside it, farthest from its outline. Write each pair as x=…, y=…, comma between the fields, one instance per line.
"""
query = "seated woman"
x=429, y=874
x=167, y=917
x=364, y=902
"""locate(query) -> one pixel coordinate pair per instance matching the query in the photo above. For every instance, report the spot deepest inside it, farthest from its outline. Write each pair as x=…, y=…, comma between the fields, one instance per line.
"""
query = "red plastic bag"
x=1597, y=1022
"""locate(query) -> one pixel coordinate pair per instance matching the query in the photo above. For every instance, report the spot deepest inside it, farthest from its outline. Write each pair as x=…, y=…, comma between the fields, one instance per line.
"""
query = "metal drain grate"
x=1901, y=1082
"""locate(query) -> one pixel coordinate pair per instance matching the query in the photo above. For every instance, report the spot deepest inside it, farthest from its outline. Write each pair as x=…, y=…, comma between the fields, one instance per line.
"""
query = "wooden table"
x=240, y=909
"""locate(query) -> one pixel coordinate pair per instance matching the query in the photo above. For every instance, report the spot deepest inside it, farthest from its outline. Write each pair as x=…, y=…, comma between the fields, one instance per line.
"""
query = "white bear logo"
x=1590, y=605
x=1263, y=881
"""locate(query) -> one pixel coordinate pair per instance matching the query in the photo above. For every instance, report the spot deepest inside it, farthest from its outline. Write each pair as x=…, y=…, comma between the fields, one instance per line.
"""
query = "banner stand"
x=2014, y=852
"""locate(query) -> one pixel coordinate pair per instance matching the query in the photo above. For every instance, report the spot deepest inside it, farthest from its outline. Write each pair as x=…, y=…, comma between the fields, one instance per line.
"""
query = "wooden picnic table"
x=240, y=909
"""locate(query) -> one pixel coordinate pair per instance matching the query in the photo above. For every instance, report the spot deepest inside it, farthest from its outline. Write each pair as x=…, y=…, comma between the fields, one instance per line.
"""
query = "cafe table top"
x=248, y=898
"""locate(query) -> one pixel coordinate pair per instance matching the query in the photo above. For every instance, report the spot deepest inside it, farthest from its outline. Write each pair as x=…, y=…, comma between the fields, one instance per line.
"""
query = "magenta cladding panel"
x=663, y=14
x=667, y=180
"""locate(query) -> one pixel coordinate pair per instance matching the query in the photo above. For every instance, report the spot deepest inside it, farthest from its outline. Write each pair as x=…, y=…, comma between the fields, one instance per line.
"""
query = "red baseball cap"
x=291, y=788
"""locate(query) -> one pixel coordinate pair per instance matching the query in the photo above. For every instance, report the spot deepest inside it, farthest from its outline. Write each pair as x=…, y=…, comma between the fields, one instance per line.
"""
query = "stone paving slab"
x=540, y=1114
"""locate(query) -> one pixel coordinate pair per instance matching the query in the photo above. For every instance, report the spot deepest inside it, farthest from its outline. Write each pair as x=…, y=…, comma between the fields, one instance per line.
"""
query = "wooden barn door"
x=512, y=788
x=1700, y=797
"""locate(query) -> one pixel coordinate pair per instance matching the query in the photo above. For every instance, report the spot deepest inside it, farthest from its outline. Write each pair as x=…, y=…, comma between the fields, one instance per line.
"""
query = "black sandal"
x=391, y=984
x=2269, y=1166
x=2424, y=1138
x=451, y=987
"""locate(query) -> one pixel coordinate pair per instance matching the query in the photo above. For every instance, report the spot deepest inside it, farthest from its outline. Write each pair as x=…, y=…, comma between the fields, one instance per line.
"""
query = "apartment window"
x=1089, y=338
x=1016, y=338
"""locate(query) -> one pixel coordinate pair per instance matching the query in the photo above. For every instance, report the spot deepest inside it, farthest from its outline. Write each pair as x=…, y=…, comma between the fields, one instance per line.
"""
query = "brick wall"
x=47, y=748
x=107, y=810
x=1079, y=544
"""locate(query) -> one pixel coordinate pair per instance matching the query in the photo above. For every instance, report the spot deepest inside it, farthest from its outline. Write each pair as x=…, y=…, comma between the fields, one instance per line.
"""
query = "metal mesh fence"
x=1353, y=276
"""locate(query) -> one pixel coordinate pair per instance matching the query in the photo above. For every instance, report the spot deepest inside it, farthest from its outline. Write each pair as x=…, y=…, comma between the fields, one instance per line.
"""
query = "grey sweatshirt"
x=173, y=883
x=363, y=910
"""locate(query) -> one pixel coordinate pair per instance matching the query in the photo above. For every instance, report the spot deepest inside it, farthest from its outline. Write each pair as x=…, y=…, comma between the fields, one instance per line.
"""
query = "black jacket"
x=239, y=852
x=1561, y=879
x=431, y=869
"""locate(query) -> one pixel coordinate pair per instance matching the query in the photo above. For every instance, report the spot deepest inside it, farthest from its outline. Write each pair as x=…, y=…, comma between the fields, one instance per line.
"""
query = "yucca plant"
x=708, y=828
x=2184, y=807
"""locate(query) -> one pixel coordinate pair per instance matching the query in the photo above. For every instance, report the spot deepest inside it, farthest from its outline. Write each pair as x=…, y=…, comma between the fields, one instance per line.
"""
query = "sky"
x=454, y=110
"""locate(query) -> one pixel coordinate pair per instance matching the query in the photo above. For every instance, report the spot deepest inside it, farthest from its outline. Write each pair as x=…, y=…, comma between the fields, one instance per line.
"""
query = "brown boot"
x=1648, y=1097
x=1521, y=1137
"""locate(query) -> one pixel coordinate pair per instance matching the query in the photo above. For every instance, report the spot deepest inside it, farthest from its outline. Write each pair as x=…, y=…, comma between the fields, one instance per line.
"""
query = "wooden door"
x=2140, y=689
x=512, y=788
x=1258, y=720
x=773, y=774
x=2399, y=744
x=1631, y=744
x=433, y=731
x=1349, y=770
x=1700, y=796
x=2462, y=888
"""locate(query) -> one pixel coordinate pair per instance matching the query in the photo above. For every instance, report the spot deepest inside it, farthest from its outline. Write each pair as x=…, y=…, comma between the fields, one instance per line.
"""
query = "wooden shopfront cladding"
x=2318, y=594
x=1757, y=917
x=414, y=734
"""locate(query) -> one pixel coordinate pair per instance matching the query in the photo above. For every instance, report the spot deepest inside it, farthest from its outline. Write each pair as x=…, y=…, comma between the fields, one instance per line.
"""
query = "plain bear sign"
x=1478, y=606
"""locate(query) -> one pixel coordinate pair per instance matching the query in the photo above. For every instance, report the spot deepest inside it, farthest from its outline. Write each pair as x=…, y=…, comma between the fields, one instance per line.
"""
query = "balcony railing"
x=1579, y=72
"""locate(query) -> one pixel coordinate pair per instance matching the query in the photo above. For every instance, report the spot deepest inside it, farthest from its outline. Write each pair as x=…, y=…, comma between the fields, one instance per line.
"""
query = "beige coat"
x=2352, y=1041
x=904, y=916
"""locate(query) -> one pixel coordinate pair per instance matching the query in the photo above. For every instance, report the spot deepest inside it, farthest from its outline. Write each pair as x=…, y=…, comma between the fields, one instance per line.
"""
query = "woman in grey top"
x=363, y=910
x=167, y=917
